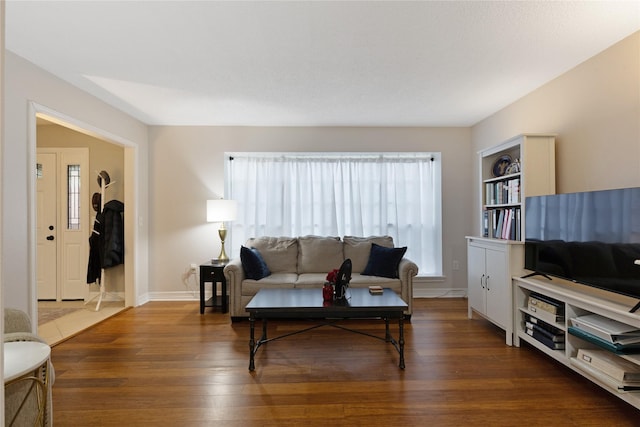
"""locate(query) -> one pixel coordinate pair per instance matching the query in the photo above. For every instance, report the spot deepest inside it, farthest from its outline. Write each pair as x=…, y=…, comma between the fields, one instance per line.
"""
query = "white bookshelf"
x=537, y=176
x=493, y=261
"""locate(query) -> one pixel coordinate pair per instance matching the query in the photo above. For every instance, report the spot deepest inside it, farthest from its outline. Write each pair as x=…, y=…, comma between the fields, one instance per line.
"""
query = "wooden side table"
x=214, y=272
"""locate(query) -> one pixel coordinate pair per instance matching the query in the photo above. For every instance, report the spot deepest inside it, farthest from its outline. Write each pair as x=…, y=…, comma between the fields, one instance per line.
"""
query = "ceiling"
x=321, y=63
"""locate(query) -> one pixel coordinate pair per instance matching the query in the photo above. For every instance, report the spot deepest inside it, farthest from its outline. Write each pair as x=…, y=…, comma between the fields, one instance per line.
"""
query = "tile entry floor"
x=70, y=324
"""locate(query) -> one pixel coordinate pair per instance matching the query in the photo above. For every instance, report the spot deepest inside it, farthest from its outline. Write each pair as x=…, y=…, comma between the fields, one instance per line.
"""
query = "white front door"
x=46, y=226
x=63, y=230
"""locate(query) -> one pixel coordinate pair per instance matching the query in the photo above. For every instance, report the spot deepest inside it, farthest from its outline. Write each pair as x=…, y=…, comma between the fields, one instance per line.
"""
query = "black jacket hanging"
x=106, y=243
x=113, y=235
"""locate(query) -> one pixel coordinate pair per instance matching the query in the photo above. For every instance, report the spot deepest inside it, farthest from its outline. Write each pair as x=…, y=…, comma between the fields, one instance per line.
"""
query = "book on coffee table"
x=375, y=290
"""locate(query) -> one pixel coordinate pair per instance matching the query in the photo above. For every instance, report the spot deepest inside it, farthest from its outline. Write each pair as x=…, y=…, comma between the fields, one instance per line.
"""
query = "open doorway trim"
x=130, y=196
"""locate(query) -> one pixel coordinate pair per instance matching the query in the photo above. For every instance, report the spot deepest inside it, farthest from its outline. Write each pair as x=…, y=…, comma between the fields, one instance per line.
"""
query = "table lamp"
x=222, y=210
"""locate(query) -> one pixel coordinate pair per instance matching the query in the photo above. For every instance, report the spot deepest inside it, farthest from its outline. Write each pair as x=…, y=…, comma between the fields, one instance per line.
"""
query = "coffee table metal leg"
x=401, y=341
x=252, y=343
x=387, y=334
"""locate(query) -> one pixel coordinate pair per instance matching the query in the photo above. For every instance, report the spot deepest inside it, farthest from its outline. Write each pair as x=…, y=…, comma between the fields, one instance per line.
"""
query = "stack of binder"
x=543, y=313
x=607, y=333
x=542, y=331
x=622, y=373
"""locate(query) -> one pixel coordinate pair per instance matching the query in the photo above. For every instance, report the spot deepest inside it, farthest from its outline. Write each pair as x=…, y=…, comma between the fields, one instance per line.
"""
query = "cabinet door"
x=476, y=278
x=498, y=297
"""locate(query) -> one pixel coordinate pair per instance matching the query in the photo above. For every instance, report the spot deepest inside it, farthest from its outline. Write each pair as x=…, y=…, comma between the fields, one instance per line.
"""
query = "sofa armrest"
x=407, y=270
x=234, y=274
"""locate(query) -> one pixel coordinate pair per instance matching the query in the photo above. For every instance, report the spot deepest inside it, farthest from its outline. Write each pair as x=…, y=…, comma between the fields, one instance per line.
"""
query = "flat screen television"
x=591, y=238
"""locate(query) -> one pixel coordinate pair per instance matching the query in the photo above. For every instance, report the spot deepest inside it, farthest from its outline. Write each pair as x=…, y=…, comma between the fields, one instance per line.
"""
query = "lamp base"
x=222, y=233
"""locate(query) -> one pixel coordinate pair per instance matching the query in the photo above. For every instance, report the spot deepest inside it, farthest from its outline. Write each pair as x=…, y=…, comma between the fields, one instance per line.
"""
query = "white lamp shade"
x=221, y=210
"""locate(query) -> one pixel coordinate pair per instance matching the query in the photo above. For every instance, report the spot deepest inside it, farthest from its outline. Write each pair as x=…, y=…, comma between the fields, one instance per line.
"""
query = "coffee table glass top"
x=311, y=299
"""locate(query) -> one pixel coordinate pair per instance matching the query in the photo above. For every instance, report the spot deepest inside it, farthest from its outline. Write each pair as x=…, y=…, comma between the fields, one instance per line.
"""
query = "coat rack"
x=105, y=182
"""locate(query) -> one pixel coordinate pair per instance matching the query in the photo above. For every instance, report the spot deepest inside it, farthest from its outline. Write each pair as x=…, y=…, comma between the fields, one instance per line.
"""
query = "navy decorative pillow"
x=383, y=261
x=252, y=263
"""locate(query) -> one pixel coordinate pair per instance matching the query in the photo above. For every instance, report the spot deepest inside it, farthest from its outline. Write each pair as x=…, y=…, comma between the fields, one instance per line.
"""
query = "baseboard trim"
x=176, y=296
x=439, y=293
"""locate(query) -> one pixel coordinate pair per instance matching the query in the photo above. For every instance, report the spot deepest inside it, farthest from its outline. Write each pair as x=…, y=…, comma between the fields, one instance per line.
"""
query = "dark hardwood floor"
x=164, y=364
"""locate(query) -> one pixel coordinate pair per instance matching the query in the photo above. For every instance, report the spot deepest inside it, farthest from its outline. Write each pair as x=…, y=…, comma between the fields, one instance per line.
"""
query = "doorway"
x=62, y=223
x=53, y=133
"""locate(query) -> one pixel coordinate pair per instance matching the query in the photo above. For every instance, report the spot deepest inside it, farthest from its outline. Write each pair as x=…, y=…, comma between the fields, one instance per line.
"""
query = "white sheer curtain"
x=338, y=194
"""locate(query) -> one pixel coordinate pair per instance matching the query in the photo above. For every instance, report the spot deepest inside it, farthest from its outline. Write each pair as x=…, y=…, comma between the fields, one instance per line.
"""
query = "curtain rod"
x=334, y=156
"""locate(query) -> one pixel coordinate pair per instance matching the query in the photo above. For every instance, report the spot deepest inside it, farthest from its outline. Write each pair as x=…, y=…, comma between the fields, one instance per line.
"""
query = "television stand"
x=577, y=300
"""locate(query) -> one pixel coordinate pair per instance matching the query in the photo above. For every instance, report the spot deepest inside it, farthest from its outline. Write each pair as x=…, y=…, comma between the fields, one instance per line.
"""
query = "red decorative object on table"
x=327, y=290
x=332, y=276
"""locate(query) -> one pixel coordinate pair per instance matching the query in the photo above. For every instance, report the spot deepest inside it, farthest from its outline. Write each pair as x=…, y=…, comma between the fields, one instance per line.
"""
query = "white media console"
x=578, y=300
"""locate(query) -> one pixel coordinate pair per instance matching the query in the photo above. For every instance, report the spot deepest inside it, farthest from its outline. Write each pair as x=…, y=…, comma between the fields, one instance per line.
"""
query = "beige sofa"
x=303, y=262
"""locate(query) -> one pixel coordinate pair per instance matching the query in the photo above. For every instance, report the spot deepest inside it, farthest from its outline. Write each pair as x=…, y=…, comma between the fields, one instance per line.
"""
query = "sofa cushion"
x=311, y=280
x=383, y=261
x=318, y=254
x=252, y=263
x=276, y=280
x=358, y=249
x=279, y=253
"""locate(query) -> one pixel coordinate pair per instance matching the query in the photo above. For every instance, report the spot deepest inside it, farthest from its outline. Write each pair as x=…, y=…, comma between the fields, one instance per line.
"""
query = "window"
x=73, y=197
x=338, y=194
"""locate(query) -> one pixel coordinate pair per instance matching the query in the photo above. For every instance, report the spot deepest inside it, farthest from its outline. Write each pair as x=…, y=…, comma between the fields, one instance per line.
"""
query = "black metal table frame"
x=331, y=317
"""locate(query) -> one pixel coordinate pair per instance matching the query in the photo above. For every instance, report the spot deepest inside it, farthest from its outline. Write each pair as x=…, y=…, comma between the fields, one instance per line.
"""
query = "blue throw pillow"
x=252, y=263
x=383, y=261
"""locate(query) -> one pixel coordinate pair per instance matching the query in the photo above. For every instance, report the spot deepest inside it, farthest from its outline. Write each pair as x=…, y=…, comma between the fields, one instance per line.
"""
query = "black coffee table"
x=308, y=304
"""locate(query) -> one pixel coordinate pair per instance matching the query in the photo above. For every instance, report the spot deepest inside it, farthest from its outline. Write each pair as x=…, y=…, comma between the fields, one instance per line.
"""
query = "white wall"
x=25, y=83
x=2, y=10
x=186, y=168
x=594, y=108
x=595, y=111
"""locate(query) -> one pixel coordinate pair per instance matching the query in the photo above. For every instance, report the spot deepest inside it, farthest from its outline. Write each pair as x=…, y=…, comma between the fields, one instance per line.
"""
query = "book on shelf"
x=555, y=337
x=515, y=224
x=635, y=358
x=485, y=223
x=542, y=324
x=545, y=303
x=607, y=345
x=607, y=329
x=515, y=190
x=544, y=315
x=375, y=290
x=502, y=192
x=604, y=378
x=498, y=231
x=506, y=229
x=502, y=223
x=611, y=364
x=489, y=195
x=544, y=339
